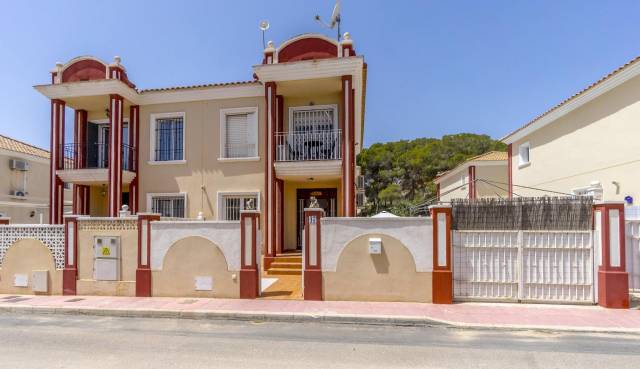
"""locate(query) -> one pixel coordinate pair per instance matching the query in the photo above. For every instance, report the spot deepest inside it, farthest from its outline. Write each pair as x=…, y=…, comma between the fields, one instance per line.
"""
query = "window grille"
x=313, y=120
x=169, y=139
x=169, y=206
x=232, y=205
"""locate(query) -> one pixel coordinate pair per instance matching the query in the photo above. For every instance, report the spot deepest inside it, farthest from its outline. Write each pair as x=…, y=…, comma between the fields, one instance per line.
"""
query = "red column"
x=347, y=127
x=609, y=250
x=279, y=185
x=56, y=190
x=115, y=155
x=312, y=289
x=80, y=192
x=134, y=155
x=143, y=272
x=442, y=277
x=249, y=258
x=437, y=191
x=270, y=177
x=510, y=168
x=70, y=272
x=472, y=182
x=5, y=220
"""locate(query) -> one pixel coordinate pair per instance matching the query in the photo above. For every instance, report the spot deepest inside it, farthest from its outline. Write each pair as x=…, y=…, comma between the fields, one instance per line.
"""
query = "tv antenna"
x=264, y=25
x=335, y=19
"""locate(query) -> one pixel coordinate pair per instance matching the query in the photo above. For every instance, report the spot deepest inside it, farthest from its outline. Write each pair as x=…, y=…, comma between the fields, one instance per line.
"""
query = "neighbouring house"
x=273, y=142
x=480, y=176
x=585, y=145
x=24, y=182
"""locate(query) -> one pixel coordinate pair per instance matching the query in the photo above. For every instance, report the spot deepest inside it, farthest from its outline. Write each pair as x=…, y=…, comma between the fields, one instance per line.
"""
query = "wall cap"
x=443, y=206
x=609, y=203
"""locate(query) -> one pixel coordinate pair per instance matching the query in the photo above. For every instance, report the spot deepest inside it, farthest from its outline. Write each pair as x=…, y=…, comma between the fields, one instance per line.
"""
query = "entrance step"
x=284, y=271
x=286, y=264
x=288, y=259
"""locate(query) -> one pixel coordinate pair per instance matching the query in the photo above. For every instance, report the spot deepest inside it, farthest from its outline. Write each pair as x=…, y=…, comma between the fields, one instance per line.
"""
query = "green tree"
x=400, y=174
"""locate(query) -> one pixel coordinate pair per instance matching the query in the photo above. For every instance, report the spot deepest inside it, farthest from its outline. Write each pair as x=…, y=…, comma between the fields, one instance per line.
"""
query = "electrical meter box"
x=106, y=265
x=375, y=246
x=40, y=281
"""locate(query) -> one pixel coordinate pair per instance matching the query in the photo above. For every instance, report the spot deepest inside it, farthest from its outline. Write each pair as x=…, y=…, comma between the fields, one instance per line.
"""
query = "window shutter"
x=236, y=136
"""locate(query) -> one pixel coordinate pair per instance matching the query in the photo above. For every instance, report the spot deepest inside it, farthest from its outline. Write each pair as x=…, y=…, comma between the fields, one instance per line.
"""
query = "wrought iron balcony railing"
x=309, y=146
x=96, y=156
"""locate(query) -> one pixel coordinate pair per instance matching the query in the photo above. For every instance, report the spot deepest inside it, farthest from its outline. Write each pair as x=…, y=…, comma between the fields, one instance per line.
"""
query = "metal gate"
x=523, y=265
x=632, y=246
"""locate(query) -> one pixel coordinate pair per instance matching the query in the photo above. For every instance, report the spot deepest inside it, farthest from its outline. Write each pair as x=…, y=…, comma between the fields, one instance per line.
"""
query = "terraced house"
x=273, y=142
x=24, y=194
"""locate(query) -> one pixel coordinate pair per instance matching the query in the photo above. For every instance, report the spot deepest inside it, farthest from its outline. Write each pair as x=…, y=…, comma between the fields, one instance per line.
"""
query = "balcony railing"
x=96, y=156
x=308, y=146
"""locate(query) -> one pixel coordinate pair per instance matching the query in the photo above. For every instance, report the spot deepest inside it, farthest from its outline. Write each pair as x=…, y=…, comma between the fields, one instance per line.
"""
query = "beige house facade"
x=583, y=146
x=271, y=143
x=481, y=176
x=24, y=174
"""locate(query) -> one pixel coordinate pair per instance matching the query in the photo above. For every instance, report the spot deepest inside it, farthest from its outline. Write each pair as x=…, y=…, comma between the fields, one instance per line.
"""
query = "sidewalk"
x=464, y=315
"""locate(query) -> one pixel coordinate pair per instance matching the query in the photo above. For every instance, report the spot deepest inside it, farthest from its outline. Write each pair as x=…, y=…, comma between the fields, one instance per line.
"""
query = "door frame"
x=305, y=193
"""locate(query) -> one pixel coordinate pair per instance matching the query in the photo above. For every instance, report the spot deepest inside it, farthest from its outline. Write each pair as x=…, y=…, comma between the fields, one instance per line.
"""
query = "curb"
x=261, y=316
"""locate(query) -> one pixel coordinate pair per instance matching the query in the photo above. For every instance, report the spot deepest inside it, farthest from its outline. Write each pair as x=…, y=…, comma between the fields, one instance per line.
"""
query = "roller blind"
x=240, y=135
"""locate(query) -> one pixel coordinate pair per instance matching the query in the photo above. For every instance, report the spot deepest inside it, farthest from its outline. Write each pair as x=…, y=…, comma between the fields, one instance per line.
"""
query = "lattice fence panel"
x=51, y=236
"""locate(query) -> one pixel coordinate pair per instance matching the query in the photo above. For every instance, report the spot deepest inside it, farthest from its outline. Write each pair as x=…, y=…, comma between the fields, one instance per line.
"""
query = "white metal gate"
x=632, y=246
x=523, y=265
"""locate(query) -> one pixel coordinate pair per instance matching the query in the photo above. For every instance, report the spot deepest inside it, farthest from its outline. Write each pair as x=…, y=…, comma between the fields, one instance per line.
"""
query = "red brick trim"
x=613, y=282
x=70, y=272
x=143, y=271
x=249, y=270
x=442, y=277
x=312, y=289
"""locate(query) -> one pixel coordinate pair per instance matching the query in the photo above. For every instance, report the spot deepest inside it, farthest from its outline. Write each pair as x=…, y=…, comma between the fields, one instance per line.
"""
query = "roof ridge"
x=575, y=95
x=24, y=143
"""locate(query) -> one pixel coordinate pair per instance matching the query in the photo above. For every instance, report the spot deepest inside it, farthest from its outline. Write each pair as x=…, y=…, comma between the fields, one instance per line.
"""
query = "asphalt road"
x=62, y=341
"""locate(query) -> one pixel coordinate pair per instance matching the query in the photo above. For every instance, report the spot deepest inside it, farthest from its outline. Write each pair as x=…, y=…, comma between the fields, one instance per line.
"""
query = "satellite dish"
x=335, y=19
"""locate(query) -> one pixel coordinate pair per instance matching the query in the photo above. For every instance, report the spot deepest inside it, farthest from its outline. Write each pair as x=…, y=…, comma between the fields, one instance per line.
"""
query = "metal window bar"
x=169, y=206
x=169, y=136
x=233, y=205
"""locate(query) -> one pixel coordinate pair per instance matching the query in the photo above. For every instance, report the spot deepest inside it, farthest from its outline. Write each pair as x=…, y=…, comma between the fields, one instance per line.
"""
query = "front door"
x=326, y=199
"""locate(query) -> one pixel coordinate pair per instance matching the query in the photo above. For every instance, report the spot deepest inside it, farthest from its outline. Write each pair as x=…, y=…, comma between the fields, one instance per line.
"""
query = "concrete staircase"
x=286, y=264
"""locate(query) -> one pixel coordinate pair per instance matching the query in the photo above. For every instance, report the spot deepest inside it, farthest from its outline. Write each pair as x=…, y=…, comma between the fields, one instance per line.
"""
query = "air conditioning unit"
x=18, y=193
x=16, y=164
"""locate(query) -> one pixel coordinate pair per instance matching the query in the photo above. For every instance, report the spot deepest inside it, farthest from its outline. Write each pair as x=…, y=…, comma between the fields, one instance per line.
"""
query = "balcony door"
x=313, y=133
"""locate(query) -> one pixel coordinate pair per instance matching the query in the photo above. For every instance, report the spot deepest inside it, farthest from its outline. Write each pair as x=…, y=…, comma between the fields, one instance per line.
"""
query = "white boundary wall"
x=414, y=233
x=51, y=236
x=226, y=235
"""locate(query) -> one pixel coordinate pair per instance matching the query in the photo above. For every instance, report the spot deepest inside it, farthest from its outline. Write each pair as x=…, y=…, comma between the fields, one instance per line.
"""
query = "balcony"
x=88, y=163
x=311, y=154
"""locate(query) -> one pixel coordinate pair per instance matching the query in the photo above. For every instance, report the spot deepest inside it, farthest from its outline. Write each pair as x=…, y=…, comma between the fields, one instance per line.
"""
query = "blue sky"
x=435, y=68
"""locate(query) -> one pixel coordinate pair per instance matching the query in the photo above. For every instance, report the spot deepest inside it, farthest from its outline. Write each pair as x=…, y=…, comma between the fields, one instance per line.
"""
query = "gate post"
x=70, y=272
x=249, y=262
x=609, y=239
x=312, y=276
x=143, y=272
x=5, y=220
x=442, y=277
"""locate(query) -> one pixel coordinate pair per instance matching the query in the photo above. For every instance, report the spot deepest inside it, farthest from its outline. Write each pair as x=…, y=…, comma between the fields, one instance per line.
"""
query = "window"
x=167, y=137
x=524, y=158
x=230, y=205
x=313, y=118
x=239, y=133
x=167, y=205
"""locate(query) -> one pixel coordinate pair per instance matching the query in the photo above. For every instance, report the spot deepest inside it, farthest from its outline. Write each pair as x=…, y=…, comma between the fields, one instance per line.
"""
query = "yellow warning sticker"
x=106, y=251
